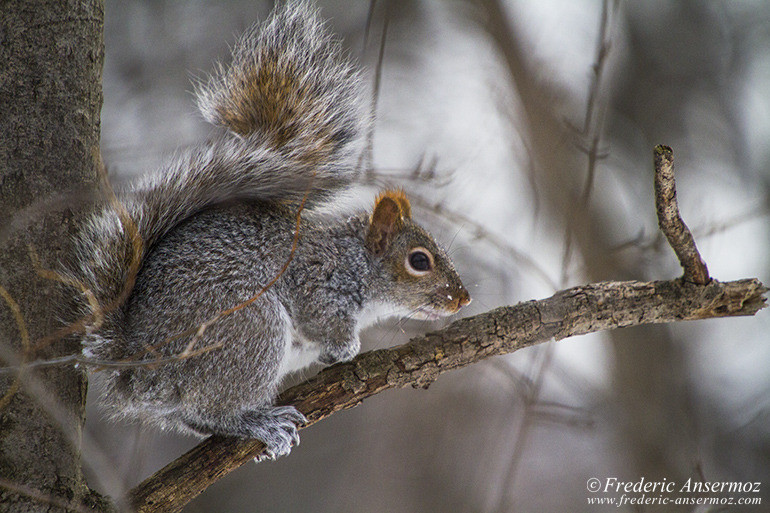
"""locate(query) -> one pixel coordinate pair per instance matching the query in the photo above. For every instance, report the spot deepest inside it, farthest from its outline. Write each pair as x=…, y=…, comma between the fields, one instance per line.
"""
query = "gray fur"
x=217, y=225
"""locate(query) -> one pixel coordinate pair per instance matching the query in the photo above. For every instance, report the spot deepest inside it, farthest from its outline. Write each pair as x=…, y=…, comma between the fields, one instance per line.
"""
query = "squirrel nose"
x=463, y=299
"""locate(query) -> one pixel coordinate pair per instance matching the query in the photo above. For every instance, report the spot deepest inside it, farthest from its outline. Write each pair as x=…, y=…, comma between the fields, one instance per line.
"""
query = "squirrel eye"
x=419, y=261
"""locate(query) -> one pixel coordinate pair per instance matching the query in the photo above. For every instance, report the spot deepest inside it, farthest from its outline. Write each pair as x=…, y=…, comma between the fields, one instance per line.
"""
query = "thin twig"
x=644, y=242
x=50, y=274
x=670, y=221
x=366, y=158
x=137, y=251
x=368, y=26
x=25, y=347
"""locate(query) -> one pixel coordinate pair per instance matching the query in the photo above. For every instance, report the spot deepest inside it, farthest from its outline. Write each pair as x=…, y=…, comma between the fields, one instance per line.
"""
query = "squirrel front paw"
x=335, y=354
x=276, y=427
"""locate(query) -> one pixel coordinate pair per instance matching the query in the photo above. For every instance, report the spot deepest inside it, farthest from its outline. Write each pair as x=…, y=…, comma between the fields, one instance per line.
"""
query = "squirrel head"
x=423, y=278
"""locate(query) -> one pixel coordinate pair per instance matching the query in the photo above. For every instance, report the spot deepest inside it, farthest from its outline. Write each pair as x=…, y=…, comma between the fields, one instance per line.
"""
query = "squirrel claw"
x=276, y=427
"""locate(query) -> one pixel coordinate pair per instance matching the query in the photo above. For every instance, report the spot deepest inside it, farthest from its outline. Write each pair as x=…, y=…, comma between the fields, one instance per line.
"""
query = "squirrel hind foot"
x=275, y=426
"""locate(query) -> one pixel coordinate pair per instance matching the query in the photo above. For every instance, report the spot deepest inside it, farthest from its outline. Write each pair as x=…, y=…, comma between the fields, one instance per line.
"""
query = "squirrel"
x=236, y=221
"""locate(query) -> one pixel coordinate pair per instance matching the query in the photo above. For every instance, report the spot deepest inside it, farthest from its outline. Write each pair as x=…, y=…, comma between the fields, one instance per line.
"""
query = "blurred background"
x=523, y=130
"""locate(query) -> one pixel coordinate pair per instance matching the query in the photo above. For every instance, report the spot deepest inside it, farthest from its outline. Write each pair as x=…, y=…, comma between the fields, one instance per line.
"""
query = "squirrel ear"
x=399, y=196
x=403, y=202
x=387, y=218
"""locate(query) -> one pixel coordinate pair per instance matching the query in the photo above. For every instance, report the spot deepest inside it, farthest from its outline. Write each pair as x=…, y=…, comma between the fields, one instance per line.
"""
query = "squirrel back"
x=293, y=114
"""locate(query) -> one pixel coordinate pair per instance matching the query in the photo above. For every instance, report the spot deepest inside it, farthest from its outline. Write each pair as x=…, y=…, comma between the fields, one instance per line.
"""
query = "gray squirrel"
x=217, y=228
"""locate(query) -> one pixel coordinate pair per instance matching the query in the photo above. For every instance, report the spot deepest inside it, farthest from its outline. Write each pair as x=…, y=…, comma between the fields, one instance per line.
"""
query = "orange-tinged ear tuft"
x=399, y=196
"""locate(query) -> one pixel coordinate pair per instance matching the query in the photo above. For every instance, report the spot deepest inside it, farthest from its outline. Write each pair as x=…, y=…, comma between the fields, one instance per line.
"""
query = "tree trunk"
x=50, y=102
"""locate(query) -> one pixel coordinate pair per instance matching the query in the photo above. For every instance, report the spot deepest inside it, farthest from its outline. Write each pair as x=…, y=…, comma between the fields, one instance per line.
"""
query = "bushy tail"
x=290, y=88
x=294, y=115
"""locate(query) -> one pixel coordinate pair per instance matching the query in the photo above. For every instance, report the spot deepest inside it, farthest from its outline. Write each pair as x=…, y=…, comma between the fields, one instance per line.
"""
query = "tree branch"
x=575, y=311
x=670, y=221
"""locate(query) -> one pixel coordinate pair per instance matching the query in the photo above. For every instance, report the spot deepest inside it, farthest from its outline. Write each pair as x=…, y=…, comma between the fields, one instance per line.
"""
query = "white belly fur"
x=299, y=352
x=377, y=311
x=298, y=356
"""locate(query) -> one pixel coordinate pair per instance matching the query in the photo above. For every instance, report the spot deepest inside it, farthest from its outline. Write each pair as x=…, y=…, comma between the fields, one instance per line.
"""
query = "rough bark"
x=571, y=312
x=670, y=222
x=50, y=102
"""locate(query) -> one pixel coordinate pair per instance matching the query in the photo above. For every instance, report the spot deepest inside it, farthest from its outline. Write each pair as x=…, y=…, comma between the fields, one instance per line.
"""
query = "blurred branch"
x=366, y=158
x=644, y=242
x=525, y=428
x=575, y=311
x=481, y=232
x=593, y=126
